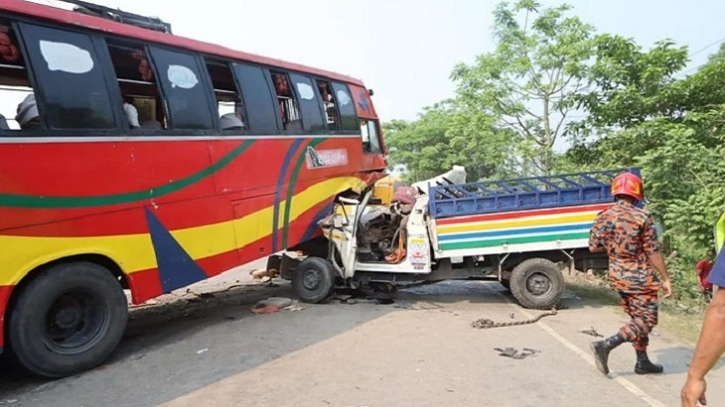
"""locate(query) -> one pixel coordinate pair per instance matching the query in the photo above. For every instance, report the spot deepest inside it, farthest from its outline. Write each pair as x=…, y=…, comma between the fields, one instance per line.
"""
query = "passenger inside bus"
x=329, y=103
x=131, y=112
x=287, y=104
x=229, y=101
x=231, y=121
x=137, y=85
x=14, y=84
x=28, y=116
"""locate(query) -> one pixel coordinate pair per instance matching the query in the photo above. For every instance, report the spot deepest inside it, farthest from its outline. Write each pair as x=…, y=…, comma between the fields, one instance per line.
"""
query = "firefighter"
x=628, y=235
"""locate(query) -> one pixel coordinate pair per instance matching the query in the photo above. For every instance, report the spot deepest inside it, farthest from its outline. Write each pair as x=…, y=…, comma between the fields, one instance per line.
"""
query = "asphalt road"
x=194, y=349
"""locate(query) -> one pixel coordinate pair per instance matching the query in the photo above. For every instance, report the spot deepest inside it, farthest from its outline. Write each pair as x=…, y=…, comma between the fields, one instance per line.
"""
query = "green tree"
x=529, y=81
x=644, y=113
x=445, y=135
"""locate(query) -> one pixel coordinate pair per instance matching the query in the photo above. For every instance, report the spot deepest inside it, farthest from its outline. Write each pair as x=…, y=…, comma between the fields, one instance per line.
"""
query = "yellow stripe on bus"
x=135, y=252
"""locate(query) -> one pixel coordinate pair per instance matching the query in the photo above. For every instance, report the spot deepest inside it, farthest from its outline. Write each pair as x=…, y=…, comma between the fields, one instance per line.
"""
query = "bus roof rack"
x=150, y=23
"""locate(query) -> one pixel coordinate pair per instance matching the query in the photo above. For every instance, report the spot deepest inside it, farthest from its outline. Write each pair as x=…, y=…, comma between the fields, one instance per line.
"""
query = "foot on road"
x=600, y=356
x=645, y=367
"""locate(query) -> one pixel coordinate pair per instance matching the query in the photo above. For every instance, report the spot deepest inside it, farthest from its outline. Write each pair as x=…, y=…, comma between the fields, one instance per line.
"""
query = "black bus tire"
x=68, y=319
x=537, y=283
x=313, y=280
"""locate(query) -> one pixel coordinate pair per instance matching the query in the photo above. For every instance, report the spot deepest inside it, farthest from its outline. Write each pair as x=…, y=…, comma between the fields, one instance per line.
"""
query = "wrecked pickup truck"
x=521, y=232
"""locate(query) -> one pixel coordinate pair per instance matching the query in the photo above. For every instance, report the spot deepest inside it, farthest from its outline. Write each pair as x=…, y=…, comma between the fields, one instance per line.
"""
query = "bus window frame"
x=378, y=137
x=267, y=76
x=315, y=79
x=357, y=130
x=204, y=81
x=285, y=72
x=318, y=98
x=229, y=64
x=119, y=41
x=17, y=22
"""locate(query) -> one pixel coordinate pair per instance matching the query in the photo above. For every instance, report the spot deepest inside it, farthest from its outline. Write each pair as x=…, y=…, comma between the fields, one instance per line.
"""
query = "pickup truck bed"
x=518, y=215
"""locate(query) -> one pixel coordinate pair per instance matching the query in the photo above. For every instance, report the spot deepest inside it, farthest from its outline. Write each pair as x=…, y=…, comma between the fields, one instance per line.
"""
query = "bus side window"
x=142, y=103
x=332, y=115
x=348, y=115
x=184, y=92
x=229, y=100
x=18, y=110
x=258, y=99
x=309, y=104
x=70, y=76
x=370, y=137
x=288, y=109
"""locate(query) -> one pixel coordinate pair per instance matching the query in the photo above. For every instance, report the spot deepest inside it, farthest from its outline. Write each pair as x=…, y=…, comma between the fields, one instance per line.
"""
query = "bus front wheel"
x=68, y=319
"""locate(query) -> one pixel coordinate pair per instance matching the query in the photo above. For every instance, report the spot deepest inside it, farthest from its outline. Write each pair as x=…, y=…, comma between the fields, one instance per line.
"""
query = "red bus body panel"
x=168, y=211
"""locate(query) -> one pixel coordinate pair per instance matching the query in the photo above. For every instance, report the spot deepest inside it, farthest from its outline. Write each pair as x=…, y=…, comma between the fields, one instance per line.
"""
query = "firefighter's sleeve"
x=650, y=238
x=596, y=240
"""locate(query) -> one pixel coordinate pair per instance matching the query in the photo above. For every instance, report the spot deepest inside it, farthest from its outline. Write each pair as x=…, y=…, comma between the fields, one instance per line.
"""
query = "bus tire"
x=68, y=319
x=314, y=280
x=537, y=283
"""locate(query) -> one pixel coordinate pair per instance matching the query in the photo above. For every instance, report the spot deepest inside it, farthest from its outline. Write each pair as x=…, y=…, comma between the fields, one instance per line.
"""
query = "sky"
x=405, y=50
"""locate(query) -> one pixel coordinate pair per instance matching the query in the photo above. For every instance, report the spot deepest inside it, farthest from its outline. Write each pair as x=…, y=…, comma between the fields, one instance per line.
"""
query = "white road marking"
x=589, y=358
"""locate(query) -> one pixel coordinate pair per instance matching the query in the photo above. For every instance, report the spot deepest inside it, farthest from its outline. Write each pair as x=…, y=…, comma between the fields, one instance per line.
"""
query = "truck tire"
x=68, y=319
x=537, y=283
x=313, y=280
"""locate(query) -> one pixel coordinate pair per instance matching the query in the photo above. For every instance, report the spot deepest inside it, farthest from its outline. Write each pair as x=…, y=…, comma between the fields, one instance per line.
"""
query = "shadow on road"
x=178, y=346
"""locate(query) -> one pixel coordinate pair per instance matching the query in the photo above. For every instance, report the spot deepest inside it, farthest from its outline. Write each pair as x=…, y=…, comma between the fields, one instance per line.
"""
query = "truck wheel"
x=313, y=280
x=67, y=320
x=537, y=283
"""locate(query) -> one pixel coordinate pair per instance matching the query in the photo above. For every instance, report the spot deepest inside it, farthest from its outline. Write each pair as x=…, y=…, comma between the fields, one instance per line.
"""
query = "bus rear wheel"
x=67, y=320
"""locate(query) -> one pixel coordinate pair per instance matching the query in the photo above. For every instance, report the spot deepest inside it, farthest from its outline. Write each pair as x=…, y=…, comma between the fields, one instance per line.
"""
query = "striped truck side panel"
x=532, y=230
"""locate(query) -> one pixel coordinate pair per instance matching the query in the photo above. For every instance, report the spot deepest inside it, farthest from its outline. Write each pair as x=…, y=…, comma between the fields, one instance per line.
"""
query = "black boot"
x=601, y=351
x=644, y=365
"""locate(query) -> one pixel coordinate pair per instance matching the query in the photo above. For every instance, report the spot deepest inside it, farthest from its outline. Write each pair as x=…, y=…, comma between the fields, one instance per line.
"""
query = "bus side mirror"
x=370, y=91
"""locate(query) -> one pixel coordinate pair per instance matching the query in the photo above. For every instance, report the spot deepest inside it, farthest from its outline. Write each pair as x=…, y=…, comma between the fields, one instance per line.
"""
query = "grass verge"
x=680, y=320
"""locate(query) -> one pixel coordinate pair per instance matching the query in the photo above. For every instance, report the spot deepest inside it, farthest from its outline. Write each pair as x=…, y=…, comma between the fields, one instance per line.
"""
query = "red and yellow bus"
x=131, y=158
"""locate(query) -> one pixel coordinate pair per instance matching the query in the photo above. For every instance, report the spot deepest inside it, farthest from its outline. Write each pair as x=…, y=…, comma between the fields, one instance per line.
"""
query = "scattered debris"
x=592, y=332
x=514, y=354
x=200, y=351
x=512, y=315
x=279, y=302
x=139, y=357
x=342, y=297
x=384, y=301
x=264, y=275
x=274, y=304
x=270, y=309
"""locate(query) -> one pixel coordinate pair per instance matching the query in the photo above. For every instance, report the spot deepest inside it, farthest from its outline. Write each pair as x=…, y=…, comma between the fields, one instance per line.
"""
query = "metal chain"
x=484, y=323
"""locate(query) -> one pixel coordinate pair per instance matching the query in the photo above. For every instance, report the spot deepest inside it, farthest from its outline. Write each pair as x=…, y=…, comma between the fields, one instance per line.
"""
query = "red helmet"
x=627, y=184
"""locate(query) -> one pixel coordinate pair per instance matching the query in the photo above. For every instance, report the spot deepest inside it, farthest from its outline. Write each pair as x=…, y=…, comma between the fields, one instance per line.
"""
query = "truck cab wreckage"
x=520, y=232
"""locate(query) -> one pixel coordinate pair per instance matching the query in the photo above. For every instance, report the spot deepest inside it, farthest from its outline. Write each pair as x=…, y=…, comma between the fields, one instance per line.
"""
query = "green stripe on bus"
x=291, y=189
x=32, y=201
x=475, y=244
